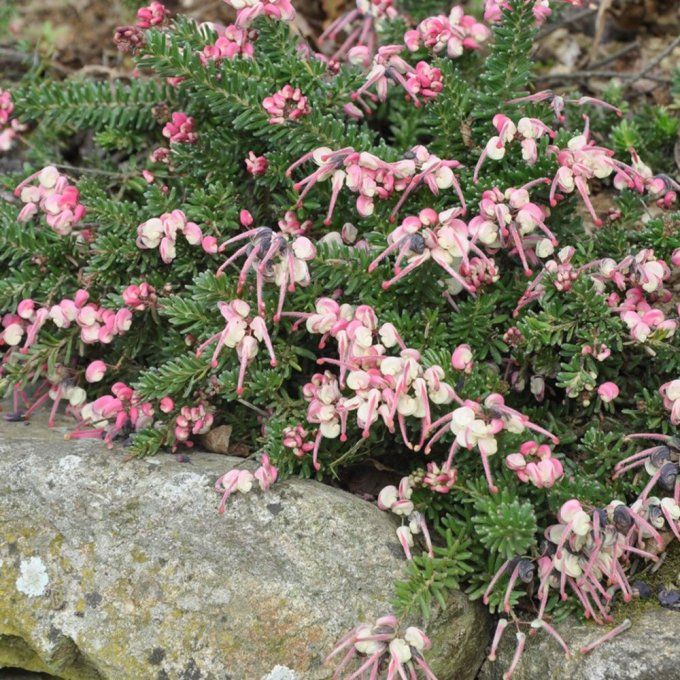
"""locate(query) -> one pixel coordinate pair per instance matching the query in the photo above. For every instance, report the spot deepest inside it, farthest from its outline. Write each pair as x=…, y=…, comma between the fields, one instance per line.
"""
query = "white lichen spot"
x=281, y=673
x=33, y=577
x=70, y=462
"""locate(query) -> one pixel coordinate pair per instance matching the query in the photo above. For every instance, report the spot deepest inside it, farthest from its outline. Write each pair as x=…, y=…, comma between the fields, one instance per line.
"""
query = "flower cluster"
x=161, y=232
x=288, y=104
x=398, y=501
x=274, y=257
x=527, y=131
x=180, y=129
x=194, y=420
x=534, y=463
x=241, y=332
x=670, y=393
x=493, y=10
x=296, y=439
x=477, y=426
x=113, y=415
x=249, y=10
x=9, y=126
x=231, y=42
x=581, y=162
x=442, y=237
x=453, y=34
x=372, y=178
x=155, y=14
x=256, y=165
x=140, y=297
x=96, y=323
x=374, y=646
x=243, y=480
x=388, y=67
x=52, y=195
x=509, y=220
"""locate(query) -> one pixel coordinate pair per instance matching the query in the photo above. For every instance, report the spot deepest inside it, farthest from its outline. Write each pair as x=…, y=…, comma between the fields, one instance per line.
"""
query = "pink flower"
x=426, y=81
x=266, y=474
x=440, y=480
x=608, y=391
x=256, y=165
x=167, y=405
x=153, y=15
x=180, y=129
x=95, y=371
x=461, y=359
x=288, y=104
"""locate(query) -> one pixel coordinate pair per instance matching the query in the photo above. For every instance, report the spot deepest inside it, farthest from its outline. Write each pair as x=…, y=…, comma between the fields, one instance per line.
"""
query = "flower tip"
x=385, y=285
x=213, y=363
x=239, y=391
x=528, y=273
x=273, y=363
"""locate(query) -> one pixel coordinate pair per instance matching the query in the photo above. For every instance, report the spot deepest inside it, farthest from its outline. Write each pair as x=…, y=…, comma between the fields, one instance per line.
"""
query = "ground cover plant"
x=384, y=247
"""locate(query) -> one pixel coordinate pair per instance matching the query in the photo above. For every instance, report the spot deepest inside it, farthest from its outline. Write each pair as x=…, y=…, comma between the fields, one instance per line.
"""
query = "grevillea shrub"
x=384, y=245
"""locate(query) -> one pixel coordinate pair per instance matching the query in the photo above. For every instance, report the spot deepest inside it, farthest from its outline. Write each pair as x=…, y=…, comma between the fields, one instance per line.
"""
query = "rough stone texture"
x=647, y=651
x=217, y=440
x=125, y=571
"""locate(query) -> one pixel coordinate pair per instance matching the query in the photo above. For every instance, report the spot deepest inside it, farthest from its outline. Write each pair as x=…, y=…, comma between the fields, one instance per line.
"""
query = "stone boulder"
x=124, y=570
x=646, y=651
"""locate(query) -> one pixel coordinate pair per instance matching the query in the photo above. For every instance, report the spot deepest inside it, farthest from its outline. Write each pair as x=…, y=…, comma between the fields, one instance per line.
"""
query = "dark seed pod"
x=641, y=589
x=409, y=155
x=526, y=571
x=602, y=513
x=668, y=476
x=622, y=519
x=417, y=244
x=548, y=548
x=15, y=417
x=669, y=598
x=659, y=455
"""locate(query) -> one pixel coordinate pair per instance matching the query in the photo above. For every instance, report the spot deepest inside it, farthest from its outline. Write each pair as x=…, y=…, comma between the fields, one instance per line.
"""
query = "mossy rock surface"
x=646, y=651
x=125, y=570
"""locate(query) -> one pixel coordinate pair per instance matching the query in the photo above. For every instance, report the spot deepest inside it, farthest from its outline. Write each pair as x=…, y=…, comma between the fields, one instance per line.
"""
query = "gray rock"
x=646, y=651
x=125, y=570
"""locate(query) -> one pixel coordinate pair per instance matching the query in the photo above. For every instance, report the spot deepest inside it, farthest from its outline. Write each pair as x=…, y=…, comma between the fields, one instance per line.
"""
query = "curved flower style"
x=359, y=25
x=558, y=103
x=274, y=257
x=242, y=332
x=249, y=10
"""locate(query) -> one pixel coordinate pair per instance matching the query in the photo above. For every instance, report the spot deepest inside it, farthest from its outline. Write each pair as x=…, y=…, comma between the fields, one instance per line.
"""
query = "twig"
x=657, y=60
x=585, y=75
x=600, y=23
x=616, y=55
x=551, y=28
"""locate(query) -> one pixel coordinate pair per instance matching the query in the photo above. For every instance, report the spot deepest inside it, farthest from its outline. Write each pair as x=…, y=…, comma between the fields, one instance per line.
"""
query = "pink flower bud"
x=246, y=218
x=608, y=392
x=461, y=359
x=675, y=257
x=26, y=309
x=209, y=244
x=95, y=371
x=167, y=404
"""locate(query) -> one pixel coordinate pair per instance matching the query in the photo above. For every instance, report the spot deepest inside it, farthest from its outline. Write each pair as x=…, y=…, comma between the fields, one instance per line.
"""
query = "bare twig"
x=551, y=28
x=586, y=75
x=600, y=22
x=655, y=62
x=616, y=55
